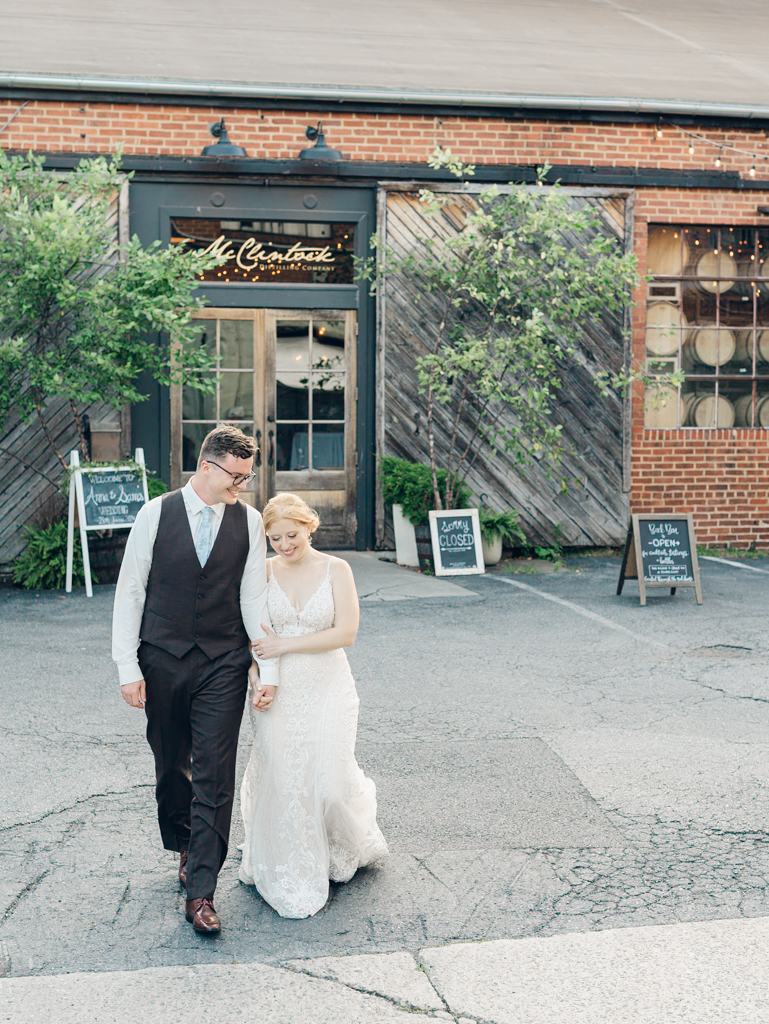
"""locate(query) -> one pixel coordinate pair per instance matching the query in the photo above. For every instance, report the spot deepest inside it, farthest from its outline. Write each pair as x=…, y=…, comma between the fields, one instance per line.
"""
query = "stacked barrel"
x=688, y=328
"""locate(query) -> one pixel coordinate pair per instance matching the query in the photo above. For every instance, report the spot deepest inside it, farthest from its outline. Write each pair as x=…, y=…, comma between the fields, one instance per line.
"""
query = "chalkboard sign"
x=665, y=548
x=105, y=498
x=456, y=537
x=112, y=497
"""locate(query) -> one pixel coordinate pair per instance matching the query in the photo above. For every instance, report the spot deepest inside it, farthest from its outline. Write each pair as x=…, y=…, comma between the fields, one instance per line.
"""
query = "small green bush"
x=43, y=563
x=501, y=524
x=410, y=485
x=155, y=486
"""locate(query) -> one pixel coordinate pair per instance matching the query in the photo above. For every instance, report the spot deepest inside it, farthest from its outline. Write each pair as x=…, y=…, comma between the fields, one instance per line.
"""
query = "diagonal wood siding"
x=30, y=474
x=594, y=509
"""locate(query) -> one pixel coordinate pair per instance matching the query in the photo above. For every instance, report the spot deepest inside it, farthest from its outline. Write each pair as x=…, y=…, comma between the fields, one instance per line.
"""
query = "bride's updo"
x=290, y=506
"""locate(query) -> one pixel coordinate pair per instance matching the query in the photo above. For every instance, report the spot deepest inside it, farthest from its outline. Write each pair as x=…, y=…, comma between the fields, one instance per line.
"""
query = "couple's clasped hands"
x=270, y=646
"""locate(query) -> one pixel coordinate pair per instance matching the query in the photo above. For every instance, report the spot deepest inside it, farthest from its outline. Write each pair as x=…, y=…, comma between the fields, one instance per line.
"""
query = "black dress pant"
x=194, y=709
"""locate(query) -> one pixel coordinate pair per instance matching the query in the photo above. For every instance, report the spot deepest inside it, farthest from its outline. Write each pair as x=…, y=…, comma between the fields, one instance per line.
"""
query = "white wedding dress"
x=309, y=811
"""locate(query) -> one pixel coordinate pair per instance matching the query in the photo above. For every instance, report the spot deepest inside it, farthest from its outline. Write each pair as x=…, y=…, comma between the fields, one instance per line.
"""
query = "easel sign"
x=666, y=549
x=456, y=537
x=108, y=498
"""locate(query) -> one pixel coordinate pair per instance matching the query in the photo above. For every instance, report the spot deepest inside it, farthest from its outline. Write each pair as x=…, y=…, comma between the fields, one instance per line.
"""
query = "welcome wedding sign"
x=106, y=498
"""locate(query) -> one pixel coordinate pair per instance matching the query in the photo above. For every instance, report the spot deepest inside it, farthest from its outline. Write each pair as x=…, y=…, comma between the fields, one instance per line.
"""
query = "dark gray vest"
x=186, y=605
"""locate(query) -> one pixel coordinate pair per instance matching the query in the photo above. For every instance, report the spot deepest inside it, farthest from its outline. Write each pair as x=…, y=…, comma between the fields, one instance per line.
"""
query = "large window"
x=707, y=315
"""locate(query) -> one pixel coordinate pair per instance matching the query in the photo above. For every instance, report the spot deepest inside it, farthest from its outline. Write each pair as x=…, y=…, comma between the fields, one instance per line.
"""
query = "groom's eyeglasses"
x=237, y=478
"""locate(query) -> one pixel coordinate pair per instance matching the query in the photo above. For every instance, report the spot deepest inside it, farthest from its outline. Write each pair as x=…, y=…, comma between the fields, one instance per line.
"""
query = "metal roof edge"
x=352, y=94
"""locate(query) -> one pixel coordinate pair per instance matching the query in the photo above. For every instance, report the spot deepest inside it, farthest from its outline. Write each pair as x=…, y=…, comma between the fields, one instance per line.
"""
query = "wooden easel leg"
x=621, y=583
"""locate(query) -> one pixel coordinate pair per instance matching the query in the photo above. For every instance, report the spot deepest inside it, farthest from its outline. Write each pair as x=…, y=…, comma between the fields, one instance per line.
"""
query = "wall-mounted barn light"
x=223, y=146
x=320, y=151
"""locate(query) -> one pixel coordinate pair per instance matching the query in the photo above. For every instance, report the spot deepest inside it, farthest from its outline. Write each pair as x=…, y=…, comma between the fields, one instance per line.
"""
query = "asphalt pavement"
x=555, y=765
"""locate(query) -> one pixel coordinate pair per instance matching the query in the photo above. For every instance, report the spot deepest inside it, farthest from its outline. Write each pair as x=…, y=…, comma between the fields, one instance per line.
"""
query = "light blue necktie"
x=204, y=541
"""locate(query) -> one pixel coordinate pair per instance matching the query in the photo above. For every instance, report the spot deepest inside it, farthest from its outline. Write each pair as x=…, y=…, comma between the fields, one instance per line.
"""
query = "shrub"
x=409, y=484
x=155, y=486
x=501, y=524
x=43, y=563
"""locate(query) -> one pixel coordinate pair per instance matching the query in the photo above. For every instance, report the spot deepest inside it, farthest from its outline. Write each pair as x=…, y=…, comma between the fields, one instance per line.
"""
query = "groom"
x=191, y=595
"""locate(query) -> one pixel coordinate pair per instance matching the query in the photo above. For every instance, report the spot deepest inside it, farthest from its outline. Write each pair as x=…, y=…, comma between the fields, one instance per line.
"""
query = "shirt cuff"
x=269, y=672
x=129, y=673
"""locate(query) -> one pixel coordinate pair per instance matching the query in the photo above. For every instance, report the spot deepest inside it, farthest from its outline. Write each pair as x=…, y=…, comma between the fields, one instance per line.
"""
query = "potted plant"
x=408, y=487
x=496, y=528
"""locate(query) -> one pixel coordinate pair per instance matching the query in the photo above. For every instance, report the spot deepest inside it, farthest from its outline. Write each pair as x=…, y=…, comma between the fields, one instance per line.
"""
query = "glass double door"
x=288, y=378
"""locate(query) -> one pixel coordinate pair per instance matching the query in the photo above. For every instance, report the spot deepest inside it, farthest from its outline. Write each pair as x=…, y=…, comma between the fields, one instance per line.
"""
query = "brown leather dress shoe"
x=183, y=868
x=203, y=916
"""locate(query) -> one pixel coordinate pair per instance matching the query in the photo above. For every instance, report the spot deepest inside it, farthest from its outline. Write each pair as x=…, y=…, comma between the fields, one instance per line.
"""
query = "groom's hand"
x=135, y=694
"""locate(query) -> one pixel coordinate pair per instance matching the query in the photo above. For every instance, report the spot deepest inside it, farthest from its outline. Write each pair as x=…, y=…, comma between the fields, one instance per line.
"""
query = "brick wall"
x=721, y=477
x=70, y=127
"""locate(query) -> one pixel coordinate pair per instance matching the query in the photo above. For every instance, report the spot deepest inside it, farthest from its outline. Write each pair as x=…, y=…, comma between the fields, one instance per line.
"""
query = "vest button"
x=198, y=615
x=201, y=597
x=196, y=636
x=202, y=577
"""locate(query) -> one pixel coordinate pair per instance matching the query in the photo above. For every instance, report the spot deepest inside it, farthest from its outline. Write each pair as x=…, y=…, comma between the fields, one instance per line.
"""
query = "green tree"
x=515, y=289
x=77, y=311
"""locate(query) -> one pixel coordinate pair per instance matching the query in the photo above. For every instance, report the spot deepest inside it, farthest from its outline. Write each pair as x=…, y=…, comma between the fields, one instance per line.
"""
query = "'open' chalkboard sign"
x=112, y=497
x=456, y=537
x=665, y=548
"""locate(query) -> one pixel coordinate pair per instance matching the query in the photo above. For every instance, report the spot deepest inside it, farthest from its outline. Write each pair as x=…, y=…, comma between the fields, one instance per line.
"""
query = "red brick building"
x=685, y=168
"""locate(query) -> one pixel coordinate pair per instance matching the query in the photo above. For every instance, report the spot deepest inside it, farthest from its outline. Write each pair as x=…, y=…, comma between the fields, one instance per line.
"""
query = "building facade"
x=319, y=369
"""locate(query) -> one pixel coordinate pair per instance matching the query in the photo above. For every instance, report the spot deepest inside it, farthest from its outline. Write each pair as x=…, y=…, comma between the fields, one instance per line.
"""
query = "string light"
x=694, y=137
x=659, y=133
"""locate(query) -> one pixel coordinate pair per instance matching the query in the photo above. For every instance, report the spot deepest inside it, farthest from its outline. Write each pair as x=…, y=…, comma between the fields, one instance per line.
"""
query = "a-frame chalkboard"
x=665, y=548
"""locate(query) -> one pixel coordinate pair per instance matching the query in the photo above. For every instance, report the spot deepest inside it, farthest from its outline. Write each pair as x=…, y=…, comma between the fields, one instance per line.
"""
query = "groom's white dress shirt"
x=131, y=591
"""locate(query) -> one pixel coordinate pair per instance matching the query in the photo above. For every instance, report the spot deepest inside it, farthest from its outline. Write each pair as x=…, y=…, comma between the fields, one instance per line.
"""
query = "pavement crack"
x=77, y=803
x=399, y=1004
x=28, y=888
x=122, y=901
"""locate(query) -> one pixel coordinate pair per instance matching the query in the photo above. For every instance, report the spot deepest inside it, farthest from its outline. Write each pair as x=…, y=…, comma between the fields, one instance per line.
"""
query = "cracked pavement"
x=544, y=768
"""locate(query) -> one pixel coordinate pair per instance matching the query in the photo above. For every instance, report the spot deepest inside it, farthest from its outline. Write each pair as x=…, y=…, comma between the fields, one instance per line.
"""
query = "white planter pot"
x=492, y=553
x=405, y=541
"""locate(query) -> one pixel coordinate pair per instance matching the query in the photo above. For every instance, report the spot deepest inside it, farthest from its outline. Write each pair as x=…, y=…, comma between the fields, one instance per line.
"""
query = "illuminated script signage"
x=271, y=251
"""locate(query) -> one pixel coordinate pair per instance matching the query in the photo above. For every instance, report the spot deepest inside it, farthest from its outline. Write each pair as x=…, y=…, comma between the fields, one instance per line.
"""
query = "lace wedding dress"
x=309, y=811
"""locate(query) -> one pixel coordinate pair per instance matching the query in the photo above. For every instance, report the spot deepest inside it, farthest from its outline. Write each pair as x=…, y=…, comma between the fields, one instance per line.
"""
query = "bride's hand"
x=270, y=646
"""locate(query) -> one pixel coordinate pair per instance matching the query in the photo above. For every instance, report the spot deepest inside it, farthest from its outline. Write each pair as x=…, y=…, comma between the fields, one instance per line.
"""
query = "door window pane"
x=292, y=397
x=328, y=446
x=293, y=447
x=236, y=396
x=328, y=397
x=293, y=345
x=197, y=405
x=207, y=336
x=236, y=344
x=192, y=439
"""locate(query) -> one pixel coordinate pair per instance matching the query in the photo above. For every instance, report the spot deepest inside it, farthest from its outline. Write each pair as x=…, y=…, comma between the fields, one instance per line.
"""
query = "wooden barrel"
x=661, y=408
x=667, y=253
x=711, y=347
x=743, y=352
x=702, y=412
x=742, y=413
x=708, y=267
x=663, y=321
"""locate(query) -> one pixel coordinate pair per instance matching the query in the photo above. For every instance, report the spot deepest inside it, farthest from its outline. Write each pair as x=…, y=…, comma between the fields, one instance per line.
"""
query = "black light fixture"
x=223, y=146
x=320, y=151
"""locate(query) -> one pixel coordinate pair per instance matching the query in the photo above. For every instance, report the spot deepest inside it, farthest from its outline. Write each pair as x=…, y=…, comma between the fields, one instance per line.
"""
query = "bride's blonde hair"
x=290, y=506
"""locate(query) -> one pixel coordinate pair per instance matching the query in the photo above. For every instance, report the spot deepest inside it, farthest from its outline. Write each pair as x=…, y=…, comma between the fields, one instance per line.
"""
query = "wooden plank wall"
x=30, y=474
x=594, y=510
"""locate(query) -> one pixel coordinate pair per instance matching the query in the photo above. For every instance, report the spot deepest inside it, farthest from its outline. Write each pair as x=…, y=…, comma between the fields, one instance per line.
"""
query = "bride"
x=309, y=811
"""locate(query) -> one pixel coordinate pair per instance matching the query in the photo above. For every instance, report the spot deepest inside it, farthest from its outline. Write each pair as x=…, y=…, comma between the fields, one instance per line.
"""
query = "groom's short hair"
x=227, y=439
